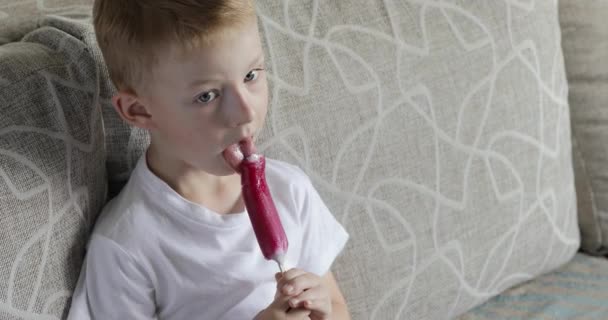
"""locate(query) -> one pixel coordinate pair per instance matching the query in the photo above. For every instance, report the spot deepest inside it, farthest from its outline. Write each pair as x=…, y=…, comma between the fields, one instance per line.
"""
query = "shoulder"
x=285, y=172
x=291, y=185
x=127, y=218
x=288, y=179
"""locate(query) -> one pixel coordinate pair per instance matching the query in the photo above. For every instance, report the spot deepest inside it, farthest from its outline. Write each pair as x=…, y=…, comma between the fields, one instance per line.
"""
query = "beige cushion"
x=585, y=45
x=52, y=172
x=19, y=17
x=124, y=145
x=576, y=291
x=438, y=134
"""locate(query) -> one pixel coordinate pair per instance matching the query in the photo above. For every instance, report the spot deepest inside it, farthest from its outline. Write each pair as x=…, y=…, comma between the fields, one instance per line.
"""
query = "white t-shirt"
x=155, y=255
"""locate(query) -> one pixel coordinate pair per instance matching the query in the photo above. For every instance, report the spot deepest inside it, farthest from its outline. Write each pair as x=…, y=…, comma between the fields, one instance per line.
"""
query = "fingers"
x=289, y=274
x=298, y=314
x=281, y=310
x=295, y=281
x=313, y=299
x=306, y=298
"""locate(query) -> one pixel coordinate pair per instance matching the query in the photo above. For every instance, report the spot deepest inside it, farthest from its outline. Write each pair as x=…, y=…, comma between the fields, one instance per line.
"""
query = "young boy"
x=177, y=243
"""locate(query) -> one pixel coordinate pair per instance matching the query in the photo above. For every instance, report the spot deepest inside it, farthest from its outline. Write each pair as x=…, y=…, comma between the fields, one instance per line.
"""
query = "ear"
x=130, y=109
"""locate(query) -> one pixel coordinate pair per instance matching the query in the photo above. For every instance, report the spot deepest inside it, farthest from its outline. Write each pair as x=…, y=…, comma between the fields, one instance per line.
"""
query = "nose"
x=238, y=106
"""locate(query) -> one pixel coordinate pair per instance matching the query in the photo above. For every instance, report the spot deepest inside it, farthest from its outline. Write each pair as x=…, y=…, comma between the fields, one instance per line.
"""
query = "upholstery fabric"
x=19, y=17
x=439, y=135
x=52, y=173
x=585, y=47
x=577, y=291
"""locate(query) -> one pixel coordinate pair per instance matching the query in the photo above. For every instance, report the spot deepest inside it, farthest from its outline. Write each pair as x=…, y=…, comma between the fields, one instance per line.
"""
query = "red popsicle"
x=262, y=212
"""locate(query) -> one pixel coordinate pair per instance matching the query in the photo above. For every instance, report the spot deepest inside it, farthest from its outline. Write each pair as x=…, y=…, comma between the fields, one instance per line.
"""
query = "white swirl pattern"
x=52, y=173
x=438, y=133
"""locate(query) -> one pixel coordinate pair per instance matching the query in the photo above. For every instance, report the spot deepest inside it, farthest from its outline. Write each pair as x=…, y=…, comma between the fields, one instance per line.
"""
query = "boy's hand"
x=279, y=309
x=305, y=290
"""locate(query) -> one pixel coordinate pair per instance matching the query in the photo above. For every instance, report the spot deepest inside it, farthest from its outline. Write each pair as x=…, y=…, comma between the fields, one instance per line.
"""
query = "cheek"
x=179, y=134
x=181, y=129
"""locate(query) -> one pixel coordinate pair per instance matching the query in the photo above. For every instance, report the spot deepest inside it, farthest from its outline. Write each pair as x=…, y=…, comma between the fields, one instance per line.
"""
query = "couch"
x=461, y=143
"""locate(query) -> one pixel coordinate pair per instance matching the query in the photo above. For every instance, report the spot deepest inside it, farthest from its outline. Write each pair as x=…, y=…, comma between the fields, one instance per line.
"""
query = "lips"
x=236, y=152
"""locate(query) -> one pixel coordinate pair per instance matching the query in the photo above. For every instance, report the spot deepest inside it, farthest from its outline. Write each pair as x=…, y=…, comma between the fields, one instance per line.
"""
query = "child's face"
x=202, y=102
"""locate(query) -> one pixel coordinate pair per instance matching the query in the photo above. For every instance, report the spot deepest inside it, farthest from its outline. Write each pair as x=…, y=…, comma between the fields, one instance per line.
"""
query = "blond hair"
x=133, y=34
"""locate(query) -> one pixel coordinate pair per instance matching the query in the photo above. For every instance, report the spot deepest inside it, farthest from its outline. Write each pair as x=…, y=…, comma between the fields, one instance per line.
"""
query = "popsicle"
x=262, y=211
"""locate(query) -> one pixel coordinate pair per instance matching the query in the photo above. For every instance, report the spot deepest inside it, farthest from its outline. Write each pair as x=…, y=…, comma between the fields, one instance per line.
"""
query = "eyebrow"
x=199, y=82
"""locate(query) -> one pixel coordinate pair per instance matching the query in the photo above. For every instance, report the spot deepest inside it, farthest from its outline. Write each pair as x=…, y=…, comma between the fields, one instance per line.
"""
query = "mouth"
x=236, y=152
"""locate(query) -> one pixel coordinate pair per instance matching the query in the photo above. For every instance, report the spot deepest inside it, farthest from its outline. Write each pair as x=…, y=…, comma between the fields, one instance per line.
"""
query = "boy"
x=177, y=243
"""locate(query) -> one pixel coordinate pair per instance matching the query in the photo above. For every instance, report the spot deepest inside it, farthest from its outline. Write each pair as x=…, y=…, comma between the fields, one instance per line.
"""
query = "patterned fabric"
x=585, y=46
x=579, y=290
x=17, y=17
x=124, y=145
x=52, y=176
x=437, y=133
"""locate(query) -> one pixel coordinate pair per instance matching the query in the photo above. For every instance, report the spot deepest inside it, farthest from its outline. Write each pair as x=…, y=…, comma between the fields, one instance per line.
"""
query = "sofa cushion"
x=19, y=17
x=52, y=173
x=585, y=45
x=439, y=135
x=576, y=291
x=124, y=144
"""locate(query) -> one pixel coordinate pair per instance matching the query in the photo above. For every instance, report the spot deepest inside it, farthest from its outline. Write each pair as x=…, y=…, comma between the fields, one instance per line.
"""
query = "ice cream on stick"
x=262, y=212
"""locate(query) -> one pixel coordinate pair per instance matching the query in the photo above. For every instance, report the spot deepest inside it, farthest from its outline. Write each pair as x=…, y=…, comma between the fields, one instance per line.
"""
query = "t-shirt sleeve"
x=323, y=236
x=111, y=285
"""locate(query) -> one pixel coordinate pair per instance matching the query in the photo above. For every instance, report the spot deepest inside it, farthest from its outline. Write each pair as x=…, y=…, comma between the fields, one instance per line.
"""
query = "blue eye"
x=252, y=75
x=207, y=97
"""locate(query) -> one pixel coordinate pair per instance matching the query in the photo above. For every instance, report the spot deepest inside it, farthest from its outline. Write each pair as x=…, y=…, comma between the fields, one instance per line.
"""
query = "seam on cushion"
x=591, y=190
x=99, y=108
